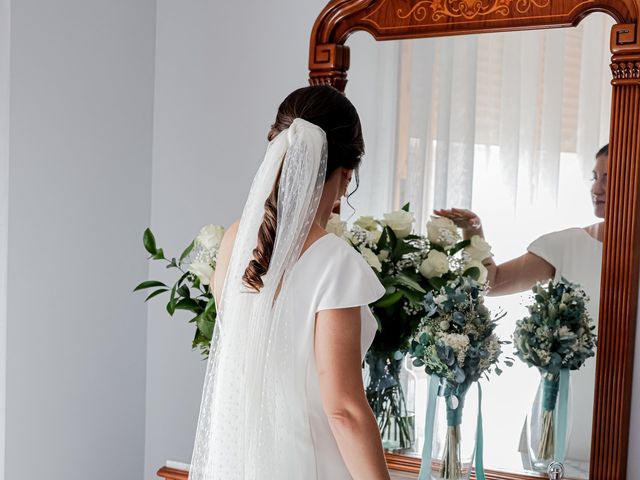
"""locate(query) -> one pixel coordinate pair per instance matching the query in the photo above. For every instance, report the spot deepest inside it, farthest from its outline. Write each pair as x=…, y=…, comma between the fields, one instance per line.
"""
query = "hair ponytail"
x=259, y=266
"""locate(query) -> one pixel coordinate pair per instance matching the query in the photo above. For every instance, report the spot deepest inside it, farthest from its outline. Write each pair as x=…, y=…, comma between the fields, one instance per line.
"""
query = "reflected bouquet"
x=196, y=266
x=557, y=336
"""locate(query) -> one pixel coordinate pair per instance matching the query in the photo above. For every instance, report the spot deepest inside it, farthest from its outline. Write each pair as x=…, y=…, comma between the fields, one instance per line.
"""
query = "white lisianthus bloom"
x=367, y=222
x=479, y=249
x=335, y=225
x=442, y=231
x=210, y=237
x=371, y=258
x=374, y=236
x=400, y=222
x=435, y=265
x=484, y=273
x=440, y=299
x=383, y=255
x=202, y=270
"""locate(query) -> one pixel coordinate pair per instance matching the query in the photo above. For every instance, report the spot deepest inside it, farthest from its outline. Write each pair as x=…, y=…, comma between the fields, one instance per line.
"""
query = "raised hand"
x=464, y=219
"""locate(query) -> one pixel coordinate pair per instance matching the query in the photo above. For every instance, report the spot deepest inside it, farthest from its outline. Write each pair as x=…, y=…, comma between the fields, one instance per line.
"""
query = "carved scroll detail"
x=468, y=9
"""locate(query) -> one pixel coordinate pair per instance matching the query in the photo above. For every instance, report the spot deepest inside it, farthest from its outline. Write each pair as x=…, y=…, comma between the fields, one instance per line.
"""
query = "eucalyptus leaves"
x=190, y=292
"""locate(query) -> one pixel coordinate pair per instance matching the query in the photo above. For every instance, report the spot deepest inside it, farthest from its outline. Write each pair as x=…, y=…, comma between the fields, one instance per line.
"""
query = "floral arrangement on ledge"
x=410, y=265
x=414, y=270
x=196, y=266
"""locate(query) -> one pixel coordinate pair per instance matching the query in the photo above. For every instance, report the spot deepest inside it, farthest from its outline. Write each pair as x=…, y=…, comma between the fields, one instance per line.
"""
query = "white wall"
x=222, y=68
x=5, y=25
x=79, y=194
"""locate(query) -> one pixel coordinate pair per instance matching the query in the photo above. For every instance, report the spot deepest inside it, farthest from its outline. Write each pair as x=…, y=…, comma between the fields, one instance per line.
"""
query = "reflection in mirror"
x=507, y=129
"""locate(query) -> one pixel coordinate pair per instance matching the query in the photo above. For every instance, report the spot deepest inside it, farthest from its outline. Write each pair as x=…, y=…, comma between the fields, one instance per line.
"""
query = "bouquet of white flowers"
x=190, y=292
x=556, y=336
x=409, y=265
x=455, y=342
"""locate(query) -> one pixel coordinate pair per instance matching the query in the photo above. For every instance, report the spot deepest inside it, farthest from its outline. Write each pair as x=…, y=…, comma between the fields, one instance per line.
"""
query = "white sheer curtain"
x=505, y=124
x=435, y=111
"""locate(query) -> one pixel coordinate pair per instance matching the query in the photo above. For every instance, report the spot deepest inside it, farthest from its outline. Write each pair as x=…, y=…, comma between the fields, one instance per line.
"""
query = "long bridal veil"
x=246, y=424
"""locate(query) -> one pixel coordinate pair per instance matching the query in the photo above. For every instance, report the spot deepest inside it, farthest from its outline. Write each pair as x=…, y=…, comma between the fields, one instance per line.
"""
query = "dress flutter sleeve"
x=347, y=280
x=549, y=247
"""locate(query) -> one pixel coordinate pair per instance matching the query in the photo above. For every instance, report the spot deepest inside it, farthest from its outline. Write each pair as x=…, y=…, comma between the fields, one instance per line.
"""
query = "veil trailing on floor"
x=246, y=425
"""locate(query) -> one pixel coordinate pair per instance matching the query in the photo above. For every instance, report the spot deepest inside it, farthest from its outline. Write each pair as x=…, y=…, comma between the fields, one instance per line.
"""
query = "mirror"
x=508, y=126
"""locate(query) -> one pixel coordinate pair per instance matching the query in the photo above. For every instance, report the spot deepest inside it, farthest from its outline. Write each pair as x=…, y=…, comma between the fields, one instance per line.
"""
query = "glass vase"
x=541, y=423
x=387, y=384
x=454, y=437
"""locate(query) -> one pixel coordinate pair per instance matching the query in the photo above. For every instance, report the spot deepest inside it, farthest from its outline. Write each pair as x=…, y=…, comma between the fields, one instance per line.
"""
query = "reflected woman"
x=575, y=254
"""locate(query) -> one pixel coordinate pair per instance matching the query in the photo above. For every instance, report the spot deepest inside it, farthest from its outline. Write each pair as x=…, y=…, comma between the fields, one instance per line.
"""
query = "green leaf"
x=149, y=284
x=459, y=246
x=187, y=251
x=205, y=325
x=159, y=255
x=188, y=304
x=171, y=306
x=210, y=306
x=149, y=241
x=183, y=291
x=388, y=300
x=414, y=297
x=437, y=283
x=403, y=248
x=405, y=207
x=409, y=282
x=473, y=272
x=157, y=292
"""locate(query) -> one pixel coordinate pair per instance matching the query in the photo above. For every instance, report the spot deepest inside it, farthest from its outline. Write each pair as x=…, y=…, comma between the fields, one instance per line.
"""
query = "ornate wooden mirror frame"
x=404, y=19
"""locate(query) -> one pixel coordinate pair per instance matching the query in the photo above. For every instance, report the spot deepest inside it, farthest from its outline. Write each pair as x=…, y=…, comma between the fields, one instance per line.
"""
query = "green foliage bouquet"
x=190, y=292
x=557, y=335
x=456, y=342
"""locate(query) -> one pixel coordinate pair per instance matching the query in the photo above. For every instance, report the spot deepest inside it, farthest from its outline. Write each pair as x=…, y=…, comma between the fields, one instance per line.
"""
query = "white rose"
x=210, y=236
x=383, y=255
x=435, y=265
x=335, y=225
x=203, y=271
x=368, y=223
x=400, y=222
x=371, y=259
x=442, y=231
x=484, y=273
x=374, y=236
x=478, y=249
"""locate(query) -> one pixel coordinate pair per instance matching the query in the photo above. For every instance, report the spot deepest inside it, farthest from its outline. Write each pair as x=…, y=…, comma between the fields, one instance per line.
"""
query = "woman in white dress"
x=283, y=396
x=575, y=254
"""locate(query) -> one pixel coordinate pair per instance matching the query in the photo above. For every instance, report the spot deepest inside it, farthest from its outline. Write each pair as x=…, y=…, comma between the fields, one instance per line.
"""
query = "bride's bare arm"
x=338, y=360
x=518, y=275
x=222, y=260
x=513, y=276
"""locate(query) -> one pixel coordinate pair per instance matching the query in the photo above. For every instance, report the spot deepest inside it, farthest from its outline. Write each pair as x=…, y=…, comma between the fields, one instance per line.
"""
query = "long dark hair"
x=330, y=110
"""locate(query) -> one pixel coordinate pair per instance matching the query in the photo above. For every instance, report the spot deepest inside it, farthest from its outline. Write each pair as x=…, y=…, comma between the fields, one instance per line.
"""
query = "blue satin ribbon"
x=479, y=453
x=432, y=396
x=560, y=433
x=429, y=424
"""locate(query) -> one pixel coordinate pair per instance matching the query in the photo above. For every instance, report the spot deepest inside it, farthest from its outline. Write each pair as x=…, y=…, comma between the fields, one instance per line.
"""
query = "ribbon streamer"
x=478, y=454
x=432, y=396
x=560, y=442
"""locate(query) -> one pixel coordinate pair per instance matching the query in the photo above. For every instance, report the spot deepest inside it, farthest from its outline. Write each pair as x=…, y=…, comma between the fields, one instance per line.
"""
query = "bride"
x=283, y=395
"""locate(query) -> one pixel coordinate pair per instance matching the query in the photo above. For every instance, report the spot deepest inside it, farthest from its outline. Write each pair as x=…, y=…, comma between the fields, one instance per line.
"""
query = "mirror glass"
x=506, y=126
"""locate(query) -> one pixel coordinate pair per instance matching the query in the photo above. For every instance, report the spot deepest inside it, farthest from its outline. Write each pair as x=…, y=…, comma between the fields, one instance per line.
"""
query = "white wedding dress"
x=261, y=414
x=577, y=256
x=329, y=274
